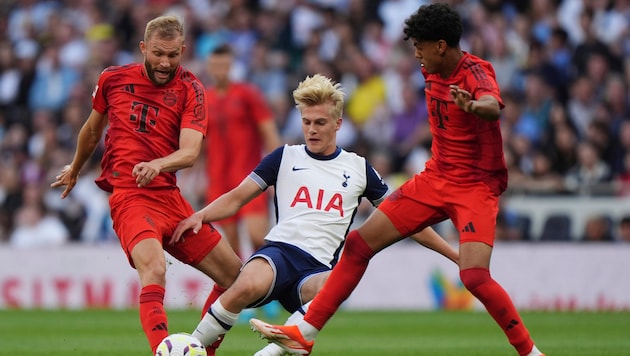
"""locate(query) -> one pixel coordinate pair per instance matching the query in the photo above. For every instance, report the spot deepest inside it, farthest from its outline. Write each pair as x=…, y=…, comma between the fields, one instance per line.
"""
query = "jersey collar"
x=323, y=157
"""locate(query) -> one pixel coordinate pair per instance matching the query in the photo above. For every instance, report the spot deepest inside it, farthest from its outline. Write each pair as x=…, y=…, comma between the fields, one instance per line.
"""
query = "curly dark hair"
x=434, y=22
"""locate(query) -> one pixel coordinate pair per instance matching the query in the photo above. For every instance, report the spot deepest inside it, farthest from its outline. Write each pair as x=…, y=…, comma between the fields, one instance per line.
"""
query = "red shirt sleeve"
x=99, y=103
x=194, y=115
x=483, y=81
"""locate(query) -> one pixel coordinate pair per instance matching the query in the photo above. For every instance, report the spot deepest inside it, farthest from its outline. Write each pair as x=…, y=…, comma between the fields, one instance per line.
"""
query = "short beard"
x=151, y=74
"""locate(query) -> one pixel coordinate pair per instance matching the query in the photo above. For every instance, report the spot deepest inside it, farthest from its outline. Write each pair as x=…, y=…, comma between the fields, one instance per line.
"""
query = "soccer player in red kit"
x=156, y=113
x=462, y=181
x=241, y=127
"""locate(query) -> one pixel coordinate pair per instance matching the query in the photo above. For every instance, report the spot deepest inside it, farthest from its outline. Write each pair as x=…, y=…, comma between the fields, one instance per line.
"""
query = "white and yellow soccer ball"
x=180, y=344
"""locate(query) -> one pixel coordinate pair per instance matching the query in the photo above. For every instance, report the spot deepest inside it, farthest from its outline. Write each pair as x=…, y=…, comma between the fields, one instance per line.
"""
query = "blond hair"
x=164, y=27
x=317, y=90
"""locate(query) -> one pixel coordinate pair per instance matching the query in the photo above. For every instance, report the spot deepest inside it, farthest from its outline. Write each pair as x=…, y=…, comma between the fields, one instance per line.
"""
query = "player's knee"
x=152, y=273
x=356, y=246
x=474, y=277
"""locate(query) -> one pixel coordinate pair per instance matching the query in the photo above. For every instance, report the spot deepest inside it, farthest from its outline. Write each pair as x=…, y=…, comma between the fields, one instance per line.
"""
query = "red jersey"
x=145, y=121
x=234, y=143
x=465, y=147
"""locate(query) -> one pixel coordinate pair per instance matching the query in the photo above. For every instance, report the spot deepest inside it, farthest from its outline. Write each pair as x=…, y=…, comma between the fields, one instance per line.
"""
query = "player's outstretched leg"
x=288, y=337
x=499, y=305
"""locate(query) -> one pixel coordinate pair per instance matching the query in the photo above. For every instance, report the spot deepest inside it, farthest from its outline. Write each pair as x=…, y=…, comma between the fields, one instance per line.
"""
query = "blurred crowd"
x=563, y=67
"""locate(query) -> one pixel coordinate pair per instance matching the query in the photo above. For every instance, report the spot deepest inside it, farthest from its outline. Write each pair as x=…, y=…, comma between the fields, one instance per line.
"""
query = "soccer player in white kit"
x=318, y=188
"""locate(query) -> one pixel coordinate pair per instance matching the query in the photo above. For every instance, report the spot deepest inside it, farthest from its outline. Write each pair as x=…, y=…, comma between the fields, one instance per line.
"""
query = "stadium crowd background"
x=563, y=68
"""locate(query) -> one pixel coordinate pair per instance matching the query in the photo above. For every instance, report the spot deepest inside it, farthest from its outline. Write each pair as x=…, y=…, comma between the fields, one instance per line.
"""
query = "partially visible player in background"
x=462, y=181
x=156, y=113
x=241, y=128
x=318, y=189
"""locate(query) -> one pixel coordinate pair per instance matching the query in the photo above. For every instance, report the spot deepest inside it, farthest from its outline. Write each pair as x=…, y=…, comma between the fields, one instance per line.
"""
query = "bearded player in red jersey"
x=462, y=181
x=157, y=121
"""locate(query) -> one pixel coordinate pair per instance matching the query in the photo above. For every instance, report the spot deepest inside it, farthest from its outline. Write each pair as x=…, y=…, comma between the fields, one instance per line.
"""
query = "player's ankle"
x=309, y=332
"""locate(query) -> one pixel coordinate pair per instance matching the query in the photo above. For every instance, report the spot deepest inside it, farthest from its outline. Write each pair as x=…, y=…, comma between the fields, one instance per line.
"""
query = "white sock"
x=222, y=314
x=534, y=352
x=297, y=316
x=271, y=350
x=214, y=324
x=308, y=331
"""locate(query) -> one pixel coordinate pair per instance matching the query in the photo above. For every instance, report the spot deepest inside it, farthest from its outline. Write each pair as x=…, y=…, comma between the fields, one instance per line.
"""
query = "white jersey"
x=316, y=197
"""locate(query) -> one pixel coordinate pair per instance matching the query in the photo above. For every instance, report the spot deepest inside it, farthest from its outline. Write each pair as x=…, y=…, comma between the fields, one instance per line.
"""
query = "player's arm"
x=432, y=240
x=486, y=107
x=223, y=207
x=271, y=137
x=190, y=142
x=87, y=141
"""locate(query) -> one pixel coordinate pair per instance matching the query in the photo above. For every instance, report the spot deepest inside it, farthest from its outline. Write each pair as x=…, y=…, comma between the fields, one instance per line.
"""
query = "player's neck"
x=222, y=86
x=451, y=61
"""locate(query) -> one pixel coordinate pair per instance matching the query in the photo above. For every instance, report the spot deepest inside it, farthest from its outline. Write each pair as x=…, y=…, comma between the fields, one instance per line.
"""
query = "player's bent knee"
x=474, y=277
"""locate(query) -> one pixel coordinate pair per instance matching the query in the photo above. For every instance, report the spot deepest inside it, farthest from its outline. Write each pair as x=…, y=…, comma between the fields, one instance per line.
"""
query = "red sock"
x=152, y=314
x=214, y=295
x=343, y=279
x=499, y=305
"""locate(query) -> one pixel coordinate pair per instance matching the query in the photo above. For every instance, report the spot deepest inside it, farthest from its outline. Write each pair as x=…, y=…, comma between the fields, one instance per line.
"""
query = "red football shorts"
x=144, y=213
x=427, y=199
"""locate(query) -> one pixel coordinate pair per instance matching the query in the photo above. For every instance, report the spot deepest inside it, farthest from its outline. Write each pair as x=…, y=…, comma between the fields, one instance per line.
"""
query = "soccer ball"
x=180, y=344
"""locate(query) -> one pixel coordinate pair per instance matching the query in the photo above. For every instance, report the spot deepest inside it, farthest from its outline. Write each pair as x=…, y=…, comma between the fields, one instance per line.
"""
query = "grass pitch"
x=106, y=332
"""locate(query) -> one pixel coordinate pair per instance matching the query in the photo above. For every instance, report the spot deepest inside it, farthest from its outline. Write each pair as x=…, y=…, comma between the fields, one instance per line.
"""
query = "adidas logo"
x=160, y=326
x=512, y=324
x=469, y=227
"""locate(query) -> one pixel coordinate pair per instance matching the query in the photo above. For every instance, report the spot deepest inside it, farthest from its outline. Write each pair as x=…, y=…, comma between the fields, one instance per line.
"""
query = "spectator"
x=622, y=147
x=591, y=44
x=29, y=17
x=53, y=82
x=36, y=226
x=410, y=127
x=582, y=104
x=504, y=61
x=370, y=93
x=590, y=172
x=623, y=229
x=542, y=179
x=536, y=107
x=16, y=80
x=563, y=148
x=597, y=229
x=622, y=179
x=616, y=101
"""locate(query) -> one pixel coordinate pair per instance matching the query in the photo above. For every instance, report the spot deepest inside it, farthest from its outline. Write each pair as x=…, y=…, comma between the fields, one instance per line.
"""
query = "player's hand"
x=144, y=173
x=460, y=96
x=66, y=178
x=194, y=222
